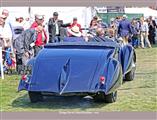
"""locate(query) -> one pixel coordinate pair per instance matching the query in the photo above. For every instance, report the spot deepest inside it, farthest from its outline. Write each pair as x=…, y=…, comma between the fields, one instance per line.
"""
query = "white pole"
x=1, y=63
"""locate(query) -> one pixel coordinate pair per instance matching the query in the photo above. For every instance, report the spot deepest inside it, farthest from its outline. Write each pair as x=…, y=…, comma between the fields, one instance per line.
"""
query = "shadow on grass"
x=57, y=102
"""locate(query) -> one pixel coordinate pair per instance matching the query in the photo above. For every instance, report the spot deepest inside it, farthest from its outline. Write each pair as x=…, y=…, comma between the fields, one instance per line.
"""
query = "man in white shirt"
x=56, y=28
x=5, y=31
x=144, y=33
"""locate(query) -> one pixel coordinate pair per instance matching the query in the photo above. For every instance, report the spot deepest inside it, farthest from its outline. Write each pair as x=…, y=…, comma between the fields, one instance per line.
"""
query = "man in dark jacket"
x=22, y=46
x=56, y=28
x=124, y=29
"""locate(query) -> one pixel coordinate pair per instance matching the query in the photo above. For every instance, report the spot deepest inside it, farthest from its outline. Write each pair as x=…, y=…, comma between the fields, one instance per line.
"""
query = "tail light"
x=25, y=72
x=102, y=79
x=24, y=77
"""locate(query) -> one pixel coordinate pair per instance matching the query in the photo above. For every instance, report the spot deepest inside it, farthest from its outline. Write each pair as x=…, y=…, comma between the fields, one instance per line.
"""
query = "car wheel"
x=130, y=75
x=35, y=96
x=110, y=98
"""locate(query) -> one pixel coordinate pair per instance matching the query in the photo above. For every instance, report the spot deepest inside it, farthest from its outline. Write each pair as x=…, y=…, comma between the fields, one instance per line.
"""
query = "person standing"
x=5, y=32
x=56, y=28
x=41, y=39
x=124, y=29
x=135, y=33
x=152, y=29
x=23, y=45
x=144, y=32
x=17, y=26
x=112, y=30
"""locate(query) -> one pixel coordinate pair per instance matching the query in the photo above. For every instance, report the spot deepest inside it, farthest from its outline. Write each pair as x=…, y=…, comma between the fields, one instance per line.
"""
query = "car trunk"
x=67, y=70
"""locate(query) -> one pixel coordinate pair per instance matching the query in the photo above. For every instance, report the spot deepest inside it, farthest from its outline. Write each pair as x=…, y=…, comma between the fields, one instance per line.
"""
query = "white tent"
x=83, y=14
x=146, y=11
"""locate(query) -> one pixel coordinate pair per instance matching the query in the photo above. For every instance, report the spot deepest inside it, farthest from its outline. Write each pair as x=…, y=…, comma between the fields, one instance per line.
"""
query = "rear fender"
x=113, y=75
x=24, y=85
x=126, y=57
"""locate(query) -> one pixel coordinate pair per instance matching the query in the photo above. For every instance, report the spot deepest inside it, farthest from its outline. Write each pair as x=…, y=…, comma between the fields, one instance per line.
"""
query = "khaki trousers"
x=144, y=36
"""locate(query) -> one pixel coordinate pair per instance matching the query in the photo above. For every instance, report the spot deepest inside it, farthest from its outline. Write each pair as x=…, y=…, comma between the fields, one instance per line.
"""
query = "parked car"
x=79, y=68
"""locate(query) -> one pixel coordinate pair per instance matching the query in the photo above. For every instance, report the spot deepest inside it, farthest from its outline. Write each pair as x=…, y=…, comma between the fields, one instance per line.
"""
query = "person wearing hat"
x=56, y=28
x=75, y=23
x=74, y=31
x=124, y=29
x=41, y=38
x=17, y=26
x=74, y=35
x=101, y=23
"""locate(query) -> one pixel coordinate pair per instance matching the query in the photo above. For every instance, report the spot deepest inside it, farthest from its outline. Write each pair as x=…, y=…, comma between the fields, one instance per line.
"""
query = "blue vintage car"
x=79, y=68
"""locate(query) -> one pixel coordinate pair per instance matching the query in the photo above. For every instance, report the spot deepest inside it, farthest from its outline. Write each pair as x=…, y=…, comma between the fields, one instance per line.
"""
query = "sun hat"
x=75, y=31
x=40, y=17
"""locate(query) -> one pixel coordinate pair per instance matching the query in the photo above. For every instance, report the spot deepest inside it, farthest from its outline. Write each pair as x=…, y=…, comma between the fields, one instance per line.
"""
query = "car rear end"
x=68, y=68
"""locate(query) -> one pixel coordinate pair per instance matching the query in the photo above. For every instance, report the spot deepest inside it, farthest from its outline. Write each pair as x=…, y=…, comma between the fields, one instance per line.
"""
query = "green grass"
x=137, y=95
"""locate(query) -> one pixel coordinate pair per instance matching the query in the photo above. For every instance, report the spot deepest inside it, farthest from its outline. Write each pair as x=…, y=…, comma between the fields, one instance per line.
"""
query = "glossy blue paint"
x=77, y=67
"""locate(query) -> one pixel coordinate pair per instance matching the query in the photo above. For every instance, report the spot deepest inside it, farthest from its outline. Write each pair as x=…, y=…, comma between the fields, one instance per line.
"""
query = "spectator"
x=5, y=12
x=24, y=43
x=75, y=23
x=138, y=26
x=75, y=35
x=124, y=29
x=27, y=23
x=152, y=29
x=135, y=33
x=93, y=24
x=56, y=28
x=17, y=26
x=101, y=23
x=144, y=33
x=2, y=22
x=5, y=31
x=112, y=28
x=41, y=35
x=99, y=35
x=117, y=21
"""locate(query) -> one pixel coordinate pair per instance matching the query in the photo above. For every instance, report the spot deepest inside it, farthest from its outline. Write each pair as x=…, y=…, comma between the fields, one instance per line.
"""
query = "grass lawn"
x=137, y=95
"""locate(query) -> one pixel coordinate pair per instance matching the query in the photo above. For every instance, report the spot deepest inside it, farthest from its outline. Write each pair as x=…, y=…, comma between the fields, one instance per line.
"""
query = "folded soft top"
x=84, y=45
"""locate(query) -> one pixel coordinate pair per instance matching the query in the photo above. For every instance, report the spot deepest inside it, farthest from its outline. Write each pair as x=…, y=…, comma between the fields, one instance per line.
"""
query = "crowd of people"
x=21, y=41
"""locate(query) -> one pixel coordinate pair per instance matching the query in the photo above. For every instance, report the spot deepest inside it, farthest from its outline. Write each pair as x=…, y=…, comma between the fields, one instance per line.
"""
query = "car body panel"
x=63, y=68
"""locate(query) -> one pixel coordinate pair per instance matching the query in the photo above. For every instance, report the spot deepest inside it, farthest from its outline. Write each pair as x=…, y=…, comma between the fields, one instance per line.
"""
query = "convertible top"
x=84, y=45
